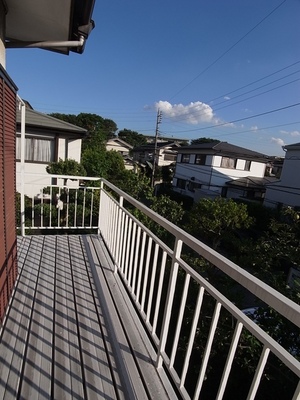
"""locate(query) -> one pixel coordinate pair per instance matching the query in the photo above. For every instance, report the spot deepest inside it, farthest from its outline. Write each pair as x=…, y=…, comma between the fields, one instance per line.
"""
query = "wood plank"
x=68, y=380
x=98, y=375
x=38, y=366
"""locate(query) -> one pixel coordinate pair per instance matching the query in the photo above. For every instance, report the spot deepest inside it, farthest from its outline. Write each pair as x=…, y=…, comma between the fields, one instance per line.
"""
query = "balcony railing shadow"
x=209, y=347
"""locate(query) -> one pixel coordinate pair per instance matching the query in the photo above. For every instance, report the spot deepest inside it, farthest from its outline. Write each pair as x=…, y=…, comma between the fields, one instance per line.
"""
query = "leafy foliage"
x=204, y=140
x=211, y=219
x=66, y=167
x=132, y=137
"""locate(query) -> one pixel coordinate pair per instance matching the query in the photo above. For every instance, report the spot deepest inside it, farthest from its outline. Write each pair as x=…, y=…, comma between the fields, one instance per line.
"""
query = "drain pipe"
x=45, y=44
x=22, y=172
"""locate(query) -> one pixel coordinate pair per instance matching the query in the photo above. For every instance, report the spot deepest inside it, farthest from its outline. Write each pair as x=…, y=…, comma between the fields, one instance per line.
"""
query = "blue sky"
x=196, y=61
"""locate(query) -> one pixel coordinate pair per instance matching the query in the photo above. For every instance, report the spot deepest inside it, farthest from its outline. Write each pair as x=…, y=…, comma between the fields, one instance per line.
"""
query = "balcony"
x=107, y=309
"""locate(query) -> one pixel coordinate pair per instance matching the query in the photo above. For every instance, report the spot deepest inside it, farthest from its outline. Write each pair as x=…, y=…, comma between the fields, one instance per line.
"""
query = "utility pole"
x=158, y=121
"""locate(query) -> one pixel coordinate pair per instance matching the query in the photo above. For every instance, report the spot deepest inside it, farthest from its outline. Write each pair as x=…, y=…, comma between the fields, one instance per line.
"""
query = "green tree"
x=103, y=164
x=204, y=140
x=66, y=167
x=211, y=219
x=132, y=137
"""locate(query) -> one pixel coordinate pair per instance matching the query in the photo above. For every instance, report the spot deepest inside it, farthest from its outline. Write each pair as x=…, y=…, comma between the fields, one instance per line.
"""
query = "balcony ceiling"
x=48, y=20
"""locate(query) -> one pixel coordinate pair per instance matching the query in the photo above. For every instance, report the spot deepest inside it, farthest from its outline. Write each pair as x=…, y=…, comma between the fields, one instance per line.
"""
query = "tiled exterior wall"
x=8, y=244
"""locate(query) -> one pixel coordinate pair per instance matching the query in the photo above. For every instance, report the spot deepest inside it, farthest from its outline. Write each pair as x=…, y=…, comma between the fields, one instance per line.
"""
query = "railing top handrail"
x=72, y=177
x=266, y=293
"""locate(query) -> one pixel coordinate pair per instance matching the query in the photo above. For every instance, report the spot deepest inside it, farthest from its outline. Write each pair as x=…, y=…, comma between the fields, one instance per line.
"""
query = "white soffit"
x=38, y=20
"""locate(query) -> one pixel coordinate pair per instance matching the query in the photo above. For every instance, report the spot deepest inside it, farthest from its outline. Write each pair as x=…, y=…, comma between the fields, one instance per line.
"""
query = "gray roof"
x=224, y=148
x=252, y=182
x=292, y=146
x=39, y=120
x=151, y=146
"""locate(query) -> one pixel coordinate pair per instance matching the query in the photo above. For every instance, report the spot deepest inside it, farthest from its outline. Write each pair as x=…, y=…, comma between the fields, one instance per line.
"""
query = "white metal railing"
x=182, y=310
x=57, y=202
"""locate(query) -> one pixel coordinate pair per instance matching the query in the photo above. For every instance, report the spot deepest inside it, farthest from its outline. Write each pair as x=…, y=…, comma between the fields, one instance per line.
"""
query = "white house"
x=124, y=149
x=166, y=153
x=286, y=191
x=47, y=139
x=208, y=169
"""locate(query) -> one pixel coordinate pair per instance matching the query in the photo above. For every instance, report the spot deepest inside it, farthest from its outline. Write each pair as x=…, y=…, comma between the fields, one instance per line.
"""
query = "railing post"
x=100, y=205
x=117, y=252
x=22, y=172
x=169, y=302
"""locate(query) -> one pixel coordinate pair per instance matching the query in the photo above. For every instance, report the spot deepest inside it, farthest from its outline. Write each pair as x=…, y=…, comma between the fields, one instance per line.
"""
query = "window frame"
x=228, y=159
x=33, y=140
x=187, y=156
x=202, y=159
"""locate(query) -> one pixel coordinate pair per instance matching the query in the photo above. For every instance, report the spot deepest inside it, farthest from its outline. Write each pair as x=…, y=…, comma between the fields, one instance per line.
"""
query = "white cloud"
x=278, y=141
x=254, y=128
x=226, y=98
x=192, y=113
x=295, y=133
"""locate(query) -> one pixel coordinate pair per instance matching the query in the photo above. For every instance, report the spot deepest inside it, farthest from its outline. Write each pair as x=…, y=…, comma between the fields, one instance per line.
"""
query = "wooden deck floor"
x=65, y=335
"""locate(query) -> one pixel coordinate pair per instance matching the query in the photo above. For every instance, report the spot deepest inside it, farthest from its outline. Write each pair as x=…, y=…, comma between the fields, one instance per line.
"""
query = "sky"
x=226, y=70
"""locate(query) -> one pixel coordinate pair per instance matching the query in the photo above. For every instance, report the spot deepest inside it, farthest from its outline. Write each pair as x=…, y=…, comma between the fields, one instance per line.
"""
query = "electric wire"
x=228, y=50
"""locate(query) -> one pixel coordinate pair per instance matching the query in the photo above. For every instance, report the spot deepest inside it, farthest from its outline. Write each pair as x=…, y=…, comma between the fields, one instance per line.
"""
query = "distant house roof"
x=35, y=22
x=225, y=149
x=122, y=142
x=151, y=146
x=39, y=120
x=251, y=182
x=294, y=146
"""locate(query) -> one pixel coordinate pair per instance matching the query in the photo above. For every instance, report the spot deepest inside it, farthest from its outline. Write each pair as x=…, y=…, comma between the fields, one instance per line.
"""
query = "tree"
x=66, y=167
x=132, y=137
x=103, y=164
x=212, y=219
x=204, y=140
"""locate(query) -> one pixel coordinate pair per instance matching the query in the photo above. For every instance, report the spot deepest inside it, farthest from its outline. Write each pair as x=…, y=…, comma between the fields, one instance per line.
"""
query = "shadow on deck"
x=70, y=330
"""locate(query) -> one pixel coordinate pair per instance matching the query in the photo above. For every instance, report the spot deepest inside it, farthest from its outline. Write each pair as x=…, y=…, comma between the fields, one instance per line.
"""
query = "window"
x=247, y=165
x=200, y=159
x=228, y=162
x=185, y=158
x=181, y=183
x=194, y=185
x=170, y=157
x=37, y=150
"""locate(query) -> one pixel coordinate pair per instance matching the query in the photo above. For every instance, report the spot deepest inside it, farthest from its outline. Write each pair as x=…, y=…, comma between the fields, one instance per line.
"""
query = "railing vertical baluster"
x=192, y=335
x=258, y=373
x=67, y=211
x=50, y=210
x=92, y=206
x=136, y=257
x=32, y=212
x=207, y=351
x=75, y=208
x=83, y=207
x=119, y=234
x=141, y=263
x=133, y=244
x=125, y=233
x=58, y=208
x=169, y=302
x=150, y=296
x=159, y=291
x=101, y=191
x=180, y=318
x=146, y=272
x=229, y=361
x=42, y=208
x=128, y=248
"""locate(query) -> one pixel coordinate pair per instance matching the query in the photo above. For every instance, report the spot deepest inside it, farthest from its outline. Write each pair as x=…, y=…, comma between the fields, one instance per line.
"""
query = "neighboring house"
x=166, y=153
x=119, y=145
x=47, y=139
x=151, y=139
x=208, y=169
x=286, y=191
x=52, y=25
x=124, y=149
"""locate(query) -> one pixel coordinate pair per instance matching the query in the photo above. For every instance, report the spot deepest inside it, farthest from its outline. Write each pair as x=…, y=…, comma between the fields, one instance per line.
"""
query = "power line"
x=242, y=119
x=229, y=49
